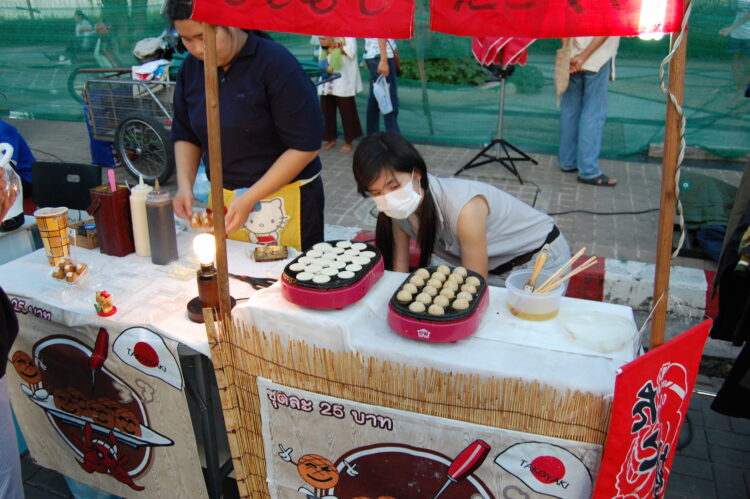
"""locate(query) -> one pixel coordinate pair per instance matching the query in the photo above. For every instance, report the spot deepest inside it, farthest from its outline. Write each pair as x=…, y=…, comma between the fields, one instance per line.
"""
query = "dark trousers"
x=312, y=204
x=347, y=106
x=373, y=111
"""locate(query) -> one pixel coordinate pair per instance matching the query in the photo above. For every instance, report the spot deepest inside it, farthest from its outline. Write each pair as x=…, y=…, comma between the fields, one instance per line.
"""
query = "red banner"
x=652, y=395
x=555, y=18
x=357, y=18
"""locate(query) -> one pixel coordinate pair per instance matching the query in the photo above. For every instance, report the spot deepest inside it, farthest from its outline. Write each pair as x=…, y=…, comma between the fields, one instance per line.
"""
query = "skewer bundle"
x=557, y=279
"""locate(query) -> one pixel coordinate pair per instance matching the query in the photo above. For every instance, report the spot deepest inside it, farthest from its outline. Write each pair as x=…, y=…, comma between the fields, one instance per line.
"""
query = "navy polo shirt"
x=267, y=105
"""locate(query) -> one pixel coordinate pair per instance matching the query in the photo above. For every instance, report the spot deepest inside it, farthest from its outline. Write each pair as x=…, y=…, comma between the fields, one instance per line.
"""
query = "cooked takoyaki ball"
x=457, y=278
x=423, y=298
x=460, y=271
x=448, y=293
x=436, y=310
x=464, y=295
x=469, y=288
x=473, y=281
x=443, y=269
x=435, y=283
x=441, y=300
x=403, y=296
x=417, y=281
x=417, y=307
x=452, y=285
x=438, y=276
x=411, y=288
x=430, y=290
x=460, y=304
x=423, y=273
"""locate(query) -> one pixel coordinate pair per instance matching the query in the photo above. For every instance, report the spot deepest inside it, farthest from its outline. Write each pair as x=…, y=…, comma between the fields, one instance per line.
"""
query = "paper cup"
x=53, y=227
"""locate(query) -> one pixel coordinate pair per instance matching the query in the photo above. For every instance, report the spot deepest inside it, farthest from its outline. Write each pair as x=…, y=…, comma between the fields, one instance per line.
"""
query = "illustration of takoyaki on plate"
x=332, y=274
x=148, y=437
x=439, y=304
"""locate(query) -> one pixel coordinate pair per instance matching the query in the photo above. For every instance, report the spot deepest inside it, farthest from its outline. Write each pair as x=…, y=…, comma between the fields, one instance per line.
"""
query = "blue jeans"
x=583, y=110
x=373, y=112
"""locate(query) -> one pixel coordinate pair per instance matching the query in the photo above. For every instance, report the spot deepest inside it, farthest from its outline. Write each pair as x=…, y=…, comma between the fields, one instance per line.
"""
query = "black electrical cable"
x=589, y=212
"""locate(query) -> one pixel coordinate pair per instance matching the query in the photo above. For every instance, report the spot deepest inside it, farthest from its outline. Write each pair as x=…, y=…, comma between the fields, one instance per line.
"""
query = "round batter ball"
x=313, y=268
x=443, y=301
x=448, y=293
x=359, y=246
x=322, y=246
x=417, y=307
x=461, y=271
x=403, y=296
x=344, y=244
x=313, y=253
x=417, y=281
x=457, y=278
x=436, y=310
x=423, y=273
x=452, y=285
x=474, y=281
x=411, y=288
x=330, y=271
x=439, y=276
x=469, y=288
x=444, y=270
x=305, y=276
x=424, y=298
x=297, y=267
x=321, y=279
x=430, y=290
x=464, y=296
x=305, y=260
x=345, y=274
x=460, y=304
x=353, y=267
x=435, y=283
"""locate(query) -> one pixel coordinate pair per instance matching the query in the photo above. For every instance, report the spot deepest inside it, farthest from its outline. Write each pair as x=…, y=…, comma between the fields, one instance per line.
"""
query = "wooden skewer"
x=588, y=263
x=541, y=259
x=563, y=268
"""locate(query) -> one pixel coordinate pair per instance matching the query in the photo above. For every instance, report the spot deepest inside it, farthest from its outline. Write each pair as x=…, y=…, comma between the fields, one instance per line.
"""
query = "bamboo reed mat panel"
x=241, y=353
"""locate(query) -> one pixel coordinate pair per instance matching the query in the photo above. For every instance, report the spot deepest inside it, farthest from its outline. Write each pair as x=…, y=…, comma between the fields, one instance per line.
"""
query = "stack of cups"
x=53, y=227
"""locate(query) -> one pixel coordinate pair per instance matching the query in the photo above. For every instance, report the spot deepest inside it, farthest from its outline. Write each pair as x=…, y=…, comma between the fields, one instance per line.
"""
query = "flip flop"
x=572, y=170
x=602, y=180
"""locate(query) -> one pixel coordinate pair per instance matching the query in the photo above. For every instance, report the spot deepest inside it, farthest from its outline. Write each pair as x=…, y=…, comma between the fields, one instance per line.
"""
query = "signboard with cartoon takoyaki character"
x=105, y=406
x=321, y=447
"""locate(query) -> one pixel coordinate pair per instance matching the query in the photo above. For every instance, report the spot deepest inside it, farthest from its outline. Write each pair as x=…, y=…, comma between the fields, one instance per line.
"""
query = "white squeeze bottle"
x=138, y=213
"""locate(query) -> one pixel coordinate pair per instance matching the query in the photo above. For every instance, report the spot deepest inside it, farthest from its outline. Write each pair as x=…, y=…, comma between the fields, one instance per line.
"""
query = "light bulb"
x=205, y=247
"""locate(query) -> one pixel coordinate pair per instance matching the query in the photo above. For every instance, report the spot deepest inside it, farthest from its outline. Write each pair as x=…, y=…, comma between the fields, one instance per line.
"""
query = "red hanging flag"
x=652, y=395
x=555, y=18
x=357, y=18
x=500, y=50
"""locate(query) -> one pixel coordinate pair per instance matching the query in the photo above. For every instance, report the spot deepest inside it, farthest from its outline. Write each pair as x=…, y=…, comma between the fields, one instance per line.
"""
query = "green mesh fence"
x=457, y=105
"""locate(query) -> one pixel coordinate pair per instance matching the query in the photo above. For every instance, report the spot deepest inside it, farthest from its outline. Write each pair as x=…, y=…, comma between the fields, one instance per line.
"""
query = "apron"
x=274, y=220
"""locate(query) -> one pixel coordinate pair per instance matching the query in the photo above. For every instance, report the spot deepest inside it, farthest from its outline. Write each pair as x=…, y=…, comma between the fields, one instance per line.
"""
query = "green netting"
x=33, y=32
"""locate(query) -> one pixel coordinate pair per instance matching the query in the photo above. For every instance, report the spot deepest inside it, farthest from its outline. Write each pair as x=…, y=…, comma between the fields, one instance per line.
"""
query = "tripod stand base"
x=503, y=156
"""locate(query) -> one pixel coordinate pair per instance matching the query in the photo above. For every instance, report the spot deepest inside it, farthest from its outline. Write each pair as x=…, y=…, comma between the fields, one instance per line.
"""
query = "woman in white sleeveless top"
x=464, y=222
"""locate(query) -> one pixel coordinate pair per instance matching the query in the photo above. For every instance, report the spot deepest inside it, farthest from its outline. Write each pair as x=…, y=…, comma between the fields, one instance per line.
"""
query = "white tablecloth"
x=144, y=293
x=504, y=346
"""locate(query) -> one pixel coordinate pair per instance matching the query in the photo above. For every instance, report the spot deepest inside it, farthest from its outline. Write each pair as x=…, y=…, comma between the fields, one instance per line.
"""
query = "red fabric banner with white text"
x=652, y=394
x=357, y=18
x=555, y=18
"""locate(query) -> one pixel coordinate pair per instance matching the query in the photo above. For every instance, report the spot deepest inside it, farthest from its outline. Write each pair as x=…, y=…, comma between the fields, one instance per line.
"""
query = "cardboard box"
x=86, y=238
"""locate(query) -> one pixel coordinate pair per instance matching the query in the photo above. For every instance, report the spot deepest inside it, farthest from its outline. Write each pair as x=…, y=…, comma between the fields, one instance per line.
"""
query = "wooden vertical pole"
x=214, y=155
x=668, y=192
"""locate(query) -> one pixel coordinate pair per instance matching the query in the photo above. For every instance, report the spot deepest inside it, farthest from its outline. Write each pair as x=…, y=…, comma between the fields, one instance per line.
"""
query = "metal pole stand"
x=503, y=153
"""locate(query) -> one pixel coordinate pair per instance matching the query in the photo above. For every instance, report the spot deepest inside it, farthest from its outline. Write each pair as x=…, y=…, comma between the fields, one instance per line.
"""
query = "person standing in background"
x=11, y=486
x=583, y=107
x=739, y=46
x=339, y=93
x=379, y=59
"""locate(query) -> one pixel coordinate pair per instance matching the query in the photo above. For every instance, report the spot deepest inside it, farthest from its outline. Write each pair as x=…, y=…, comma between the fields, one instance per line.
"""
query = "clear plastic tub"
x=530, y=306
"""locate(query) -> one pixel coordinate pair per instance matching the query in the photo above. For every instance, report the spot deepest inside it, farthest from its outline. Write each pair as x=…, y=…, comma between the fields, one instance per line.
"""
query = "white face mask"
x=399, y=203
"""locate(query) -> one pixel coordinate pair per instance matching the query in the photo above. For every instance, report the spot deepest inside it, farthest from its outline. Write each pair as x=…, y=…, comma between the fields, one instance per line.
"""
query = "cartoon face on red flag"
x=357, y=18
x=652, y=395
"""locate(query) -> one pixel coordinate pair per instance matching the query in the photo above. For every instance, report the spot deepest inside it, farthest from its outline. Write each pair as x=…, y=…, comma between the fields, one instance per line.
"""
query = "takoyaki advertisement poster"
x=324, y=447
x=105, y=405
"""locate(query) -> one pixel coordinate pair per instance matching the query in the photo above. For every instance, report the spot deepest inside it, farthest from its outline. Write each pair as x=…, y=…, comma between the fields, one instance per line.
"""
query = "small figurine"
x=104, y=306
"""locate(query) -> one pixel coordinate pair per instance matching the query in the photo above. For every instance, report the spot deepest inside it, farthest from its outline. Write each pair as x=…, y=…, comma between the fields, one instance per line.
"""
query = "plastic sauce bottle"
x=138, y=196
x=161, y=230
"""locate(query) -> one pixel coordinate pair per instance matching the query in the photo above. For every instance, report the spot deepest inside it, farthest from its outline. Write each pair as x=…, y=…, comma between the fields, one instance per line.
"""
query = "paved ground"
x=715, y=459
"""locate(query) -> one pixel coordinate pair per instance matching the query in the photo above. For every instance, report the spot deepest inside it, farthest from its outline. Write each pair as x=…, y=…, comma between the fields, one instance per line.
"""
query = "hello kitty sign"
x=266, y=221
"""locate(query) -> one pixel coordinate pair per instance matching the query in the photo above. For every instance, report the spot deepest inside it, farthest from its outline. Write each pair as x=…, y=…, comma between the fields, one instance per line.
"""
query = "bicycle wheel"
x=77, y=80
x=145, y=149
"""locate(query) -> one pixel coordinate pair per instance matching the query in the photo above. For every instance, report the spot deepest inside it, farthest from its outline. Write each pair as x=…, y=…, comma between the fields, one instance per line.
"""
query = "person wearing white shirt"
x=379, y=59
x=339, y=93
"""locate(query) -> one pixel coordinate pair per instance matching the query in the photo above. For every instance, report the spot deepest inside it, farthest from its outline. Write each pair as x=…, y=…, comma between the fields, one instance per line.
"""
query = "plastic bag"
x=202, y=186
x=381, y=89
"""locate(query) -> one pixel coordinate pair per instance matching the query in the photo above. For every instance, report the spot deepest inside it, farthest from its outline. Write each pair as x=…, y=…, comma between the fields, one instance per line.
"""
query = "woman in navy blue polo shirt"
x=271, y=124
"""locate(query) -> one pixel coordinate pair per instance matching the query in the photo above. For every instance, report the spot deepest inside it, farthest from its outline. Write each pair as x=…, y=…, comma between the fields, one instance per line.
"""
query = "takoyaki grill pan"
x=344, y=287
x=452, y=326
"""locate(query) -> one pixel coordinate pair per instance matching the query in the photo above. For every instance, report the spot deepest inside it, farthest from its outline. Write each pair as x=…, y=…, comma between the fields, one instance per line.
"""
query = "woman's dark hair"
x=385, y=151
x=179, y=10
x=79, y=13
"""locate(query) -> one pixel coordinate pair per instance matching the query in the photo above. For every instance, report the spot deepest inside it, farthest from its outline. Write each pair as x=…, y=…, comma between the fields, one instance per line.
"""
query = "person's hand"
x=7, y=197
x=183, y=203
x=725, y=31
x=238, y=212
x=383, y=67
x=576, y=64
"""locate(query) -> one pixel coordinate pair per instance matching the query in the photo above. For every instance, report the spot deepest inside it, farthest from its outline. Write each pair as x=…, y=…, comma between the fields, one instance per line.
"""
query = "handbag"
x=396, y=59
x=562, y=68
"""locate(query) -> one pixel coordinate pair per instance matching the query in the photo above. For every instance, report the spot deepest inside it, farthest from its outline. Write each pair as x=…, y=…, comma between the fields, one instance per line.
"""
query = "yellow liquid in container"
x=533, y=317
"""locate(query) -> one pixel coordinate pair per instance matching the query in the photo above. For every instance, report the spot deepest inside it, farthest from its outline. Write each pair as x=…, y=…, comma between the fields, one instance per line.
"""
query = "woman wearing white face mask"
x=464, y=222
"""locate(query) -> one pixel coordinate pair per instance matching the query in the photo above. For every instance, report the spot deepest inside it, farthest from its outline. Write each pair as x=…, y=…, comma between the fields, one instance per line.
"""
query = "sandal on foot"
x=601, y=180
x=572, y=170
